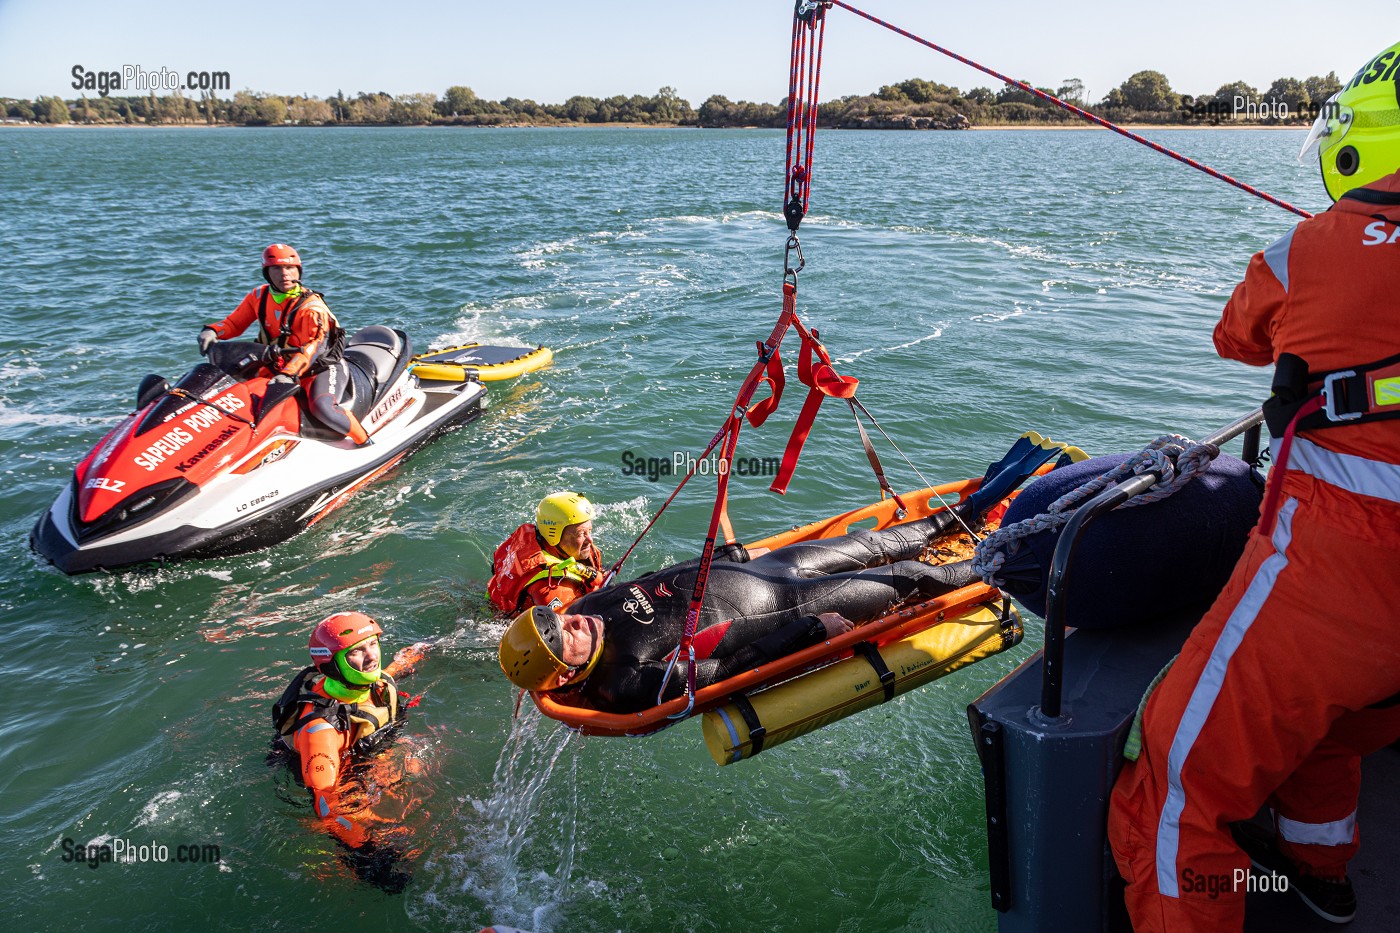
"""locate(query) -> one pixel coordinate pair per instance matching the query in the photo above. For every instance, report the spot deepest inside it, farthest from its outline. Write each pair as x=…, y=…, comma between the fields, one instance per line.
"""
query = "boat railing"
x=1054, y=651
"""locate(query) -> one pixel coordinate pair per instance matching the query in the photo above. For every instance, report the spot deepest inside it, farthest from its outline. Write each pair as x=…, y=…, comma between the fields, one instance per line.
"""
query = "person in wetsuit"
x=614, y=646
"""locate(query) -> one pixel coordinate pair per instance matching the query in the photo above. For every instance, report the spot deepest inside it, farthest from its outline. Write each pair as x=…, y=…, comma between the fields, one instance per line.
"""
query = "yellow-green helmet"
x=532, y=648
x=559, y=511
x=1357, y=132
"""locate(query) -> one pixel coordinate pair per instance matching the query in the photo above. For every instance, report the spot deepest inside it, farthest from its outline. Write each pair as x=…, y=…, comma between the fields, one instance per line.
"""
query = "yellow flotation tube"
x=745, y=727
x=481, y=362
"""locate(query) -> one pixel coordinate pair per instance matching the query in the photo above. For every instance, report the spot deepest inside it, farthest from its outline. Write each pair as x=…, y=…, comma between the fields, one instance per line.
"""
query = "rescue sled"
x=979, y=622
x=223, y=463
x=479, y=362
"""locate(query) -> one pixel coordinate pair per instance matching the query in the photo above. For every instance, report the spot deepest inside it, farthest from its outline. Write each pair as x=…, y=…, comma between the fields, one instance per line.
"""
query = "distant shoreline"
x=997, y=127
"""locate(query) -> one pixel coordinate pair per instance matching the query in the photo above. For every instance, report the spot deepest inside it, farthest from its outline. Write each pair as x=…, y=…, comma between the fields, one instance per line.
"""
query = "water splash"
x=517, y=857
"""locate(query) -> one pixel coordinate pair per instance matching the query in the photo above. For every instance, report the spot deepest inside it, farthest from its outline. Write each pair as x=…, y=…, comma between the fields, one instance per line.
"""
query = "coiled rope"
x=1176, y=459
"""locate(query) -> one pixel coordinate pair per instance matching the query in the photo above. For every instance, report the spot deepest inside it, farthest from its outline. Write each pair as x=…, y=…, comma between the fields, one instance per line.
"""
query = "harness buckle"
x=1329, y=397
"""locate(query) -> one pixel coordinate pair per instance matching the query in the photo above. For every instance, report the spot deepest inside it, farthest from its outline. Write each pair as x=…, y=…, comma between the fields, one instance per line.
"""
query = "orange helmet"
x=280, y=254
x=334, y=637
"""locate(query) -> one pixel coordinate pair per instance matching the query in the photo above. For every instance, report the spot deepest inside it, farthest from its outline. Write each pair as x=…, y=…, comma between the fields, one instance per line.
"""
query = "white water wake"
x=517, y=855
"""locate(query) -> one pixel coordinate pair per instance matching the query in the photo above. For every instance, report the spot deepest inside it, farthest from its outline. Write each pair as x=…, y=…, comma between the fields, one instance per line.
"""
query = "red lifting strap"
x=1273, y=490
x=823, y=382
x=773, y=376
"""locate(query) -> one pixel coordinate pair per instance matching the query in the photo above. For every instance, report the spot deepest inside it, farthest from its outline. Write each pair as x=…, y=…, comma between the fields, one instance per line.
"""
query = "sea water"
x=979, y=284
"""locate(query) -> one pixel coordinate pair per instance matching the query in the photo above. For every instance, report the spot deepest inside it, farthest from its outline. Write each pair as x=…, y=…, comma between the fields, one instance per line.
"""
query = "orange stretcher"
x=882, y=630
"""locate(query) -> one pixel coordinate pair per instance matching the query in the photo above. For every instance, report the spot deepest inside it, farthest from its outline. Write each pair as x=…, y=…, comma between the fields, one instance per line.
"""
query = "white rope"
x=1177, y=459
x=939, y=496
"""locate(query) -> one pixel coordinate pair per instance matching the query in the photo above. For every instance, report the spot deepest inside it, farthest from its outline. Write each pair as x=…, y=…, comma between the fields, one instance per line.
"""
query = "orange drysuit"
x=303, y=329
x=324, y=750
x=1284, y=684
x=301, y=324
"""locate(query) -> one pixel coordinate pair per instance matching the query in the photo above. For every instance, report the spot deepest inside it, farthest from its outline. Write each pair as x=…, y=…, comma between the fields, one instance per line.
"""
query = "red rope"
x=1078, y=112
x=730, y=433
x=804, y=81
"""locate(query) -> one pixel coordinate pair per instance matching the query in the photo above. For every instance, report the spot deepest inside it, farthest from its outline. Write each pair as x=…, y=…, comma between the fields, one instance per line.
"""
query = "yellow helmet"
x=559, y=511
x=532, y=648
x=1357, y=132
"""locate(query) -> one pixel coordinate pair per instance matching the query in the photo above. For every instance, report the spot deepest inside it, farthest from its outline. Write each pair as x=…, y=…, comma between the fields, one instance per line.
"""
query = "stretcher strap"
x=872, y=655
x=815, y=371
x=885, y=488
x=775, y=379
x=728, y=438
x=763, y=371
x=726, y=525
x=757, y=731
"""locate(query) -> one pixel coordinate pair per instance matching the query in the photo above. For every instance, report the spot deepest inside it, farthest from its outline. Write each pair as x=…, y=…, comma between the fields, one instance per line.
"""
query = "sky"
x=550, y=50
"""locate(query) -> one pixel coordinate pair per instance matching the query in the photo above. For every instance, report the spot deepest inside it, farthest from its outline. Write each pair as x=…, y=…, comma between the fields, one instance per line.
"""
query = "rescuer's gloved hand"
x=206, y=338
x=281, y=379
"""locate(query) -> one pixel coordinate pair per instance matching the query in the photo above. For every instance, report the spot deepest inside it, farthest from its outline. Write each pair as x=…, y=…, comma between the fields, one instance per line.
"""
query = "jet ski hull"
x=270, y=503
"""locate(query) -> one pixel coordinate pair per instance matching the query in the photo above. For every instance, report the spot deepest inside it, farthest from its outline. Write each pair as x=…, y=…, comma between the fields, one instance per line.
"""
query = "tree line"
x=458, y=106
x=1146, y=97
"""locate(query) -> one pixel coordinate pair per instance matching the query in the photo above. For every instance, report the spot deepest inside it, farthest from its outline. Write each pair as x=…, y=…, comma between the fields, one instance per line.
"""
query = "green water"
x=979, y=284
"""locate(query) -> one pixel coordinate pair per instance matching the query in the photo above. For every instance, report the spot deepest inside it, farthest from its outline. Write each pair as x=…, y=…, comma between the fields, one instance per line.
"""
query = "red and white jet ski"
x=222, y=464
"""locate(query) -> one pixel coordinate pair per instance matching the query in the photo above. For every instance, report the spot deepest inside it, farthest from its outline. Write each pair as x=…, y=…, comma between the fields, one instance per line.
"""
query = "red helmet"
x=280, y=254
x=338, y=633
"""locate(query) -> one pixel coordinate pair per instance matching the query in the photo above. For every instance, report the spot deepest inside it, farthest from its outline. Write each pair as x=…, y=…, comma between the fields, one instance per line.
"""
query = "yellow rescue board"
x=479, y=361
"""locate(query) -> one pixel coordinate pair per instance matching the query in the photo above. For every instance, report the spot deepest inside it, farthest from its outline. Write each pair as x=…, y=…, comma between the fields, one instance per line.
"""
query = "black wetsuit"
x=755, y=610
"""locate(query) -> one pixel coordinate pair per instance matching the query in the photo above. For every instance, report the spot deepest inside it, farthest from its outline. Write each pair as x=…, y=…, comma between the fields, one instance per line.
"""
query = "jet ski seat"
x=379, y=352
x=373, y=360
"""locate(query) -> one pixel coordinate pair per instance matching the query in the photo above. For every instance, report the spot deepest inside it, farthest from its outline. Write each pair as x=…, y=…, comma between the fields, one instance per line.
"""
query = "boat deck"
x=1374, y=871
x=1046, y=855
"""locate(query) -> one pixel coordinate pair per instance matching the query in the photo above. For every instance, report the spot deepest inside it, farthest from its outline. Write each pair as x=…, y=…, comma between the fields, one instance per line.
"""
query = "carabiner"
x=690, y=694
x=793, y=244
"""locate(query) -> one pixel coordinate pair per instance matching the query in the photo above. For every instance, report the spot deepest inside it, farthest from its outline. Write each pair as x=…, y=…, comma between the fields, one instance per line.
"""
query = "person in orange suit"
x=303, y=338
x=1294, y=673
x=340, y=708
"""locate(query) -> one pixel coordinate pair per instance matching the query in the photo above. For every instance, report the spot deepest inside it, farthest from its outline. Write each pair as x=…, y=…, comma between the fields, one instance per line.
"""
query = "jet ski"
x=225, y=462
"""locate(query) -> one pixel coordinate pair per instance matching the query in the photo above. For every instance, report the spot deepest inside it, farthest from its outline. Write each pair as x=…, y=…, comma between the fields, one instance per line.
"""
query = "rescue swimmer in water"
x=343, y=707
x=1276, y=696
x=614, y=646
x=551, y=562
x=303, y=339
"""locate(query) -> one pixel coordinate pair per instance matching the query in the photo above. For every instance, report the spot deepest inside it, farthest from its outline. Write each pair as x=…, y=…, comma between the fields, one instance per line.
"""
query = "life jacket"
x=520, y=560
x=335, y=335
x=370, y=722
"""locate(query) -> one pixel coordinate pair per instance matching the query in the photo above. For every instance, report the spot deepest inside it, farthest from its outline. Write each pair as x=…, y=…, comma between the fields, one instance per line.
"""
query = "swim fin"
x=1028, y=454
